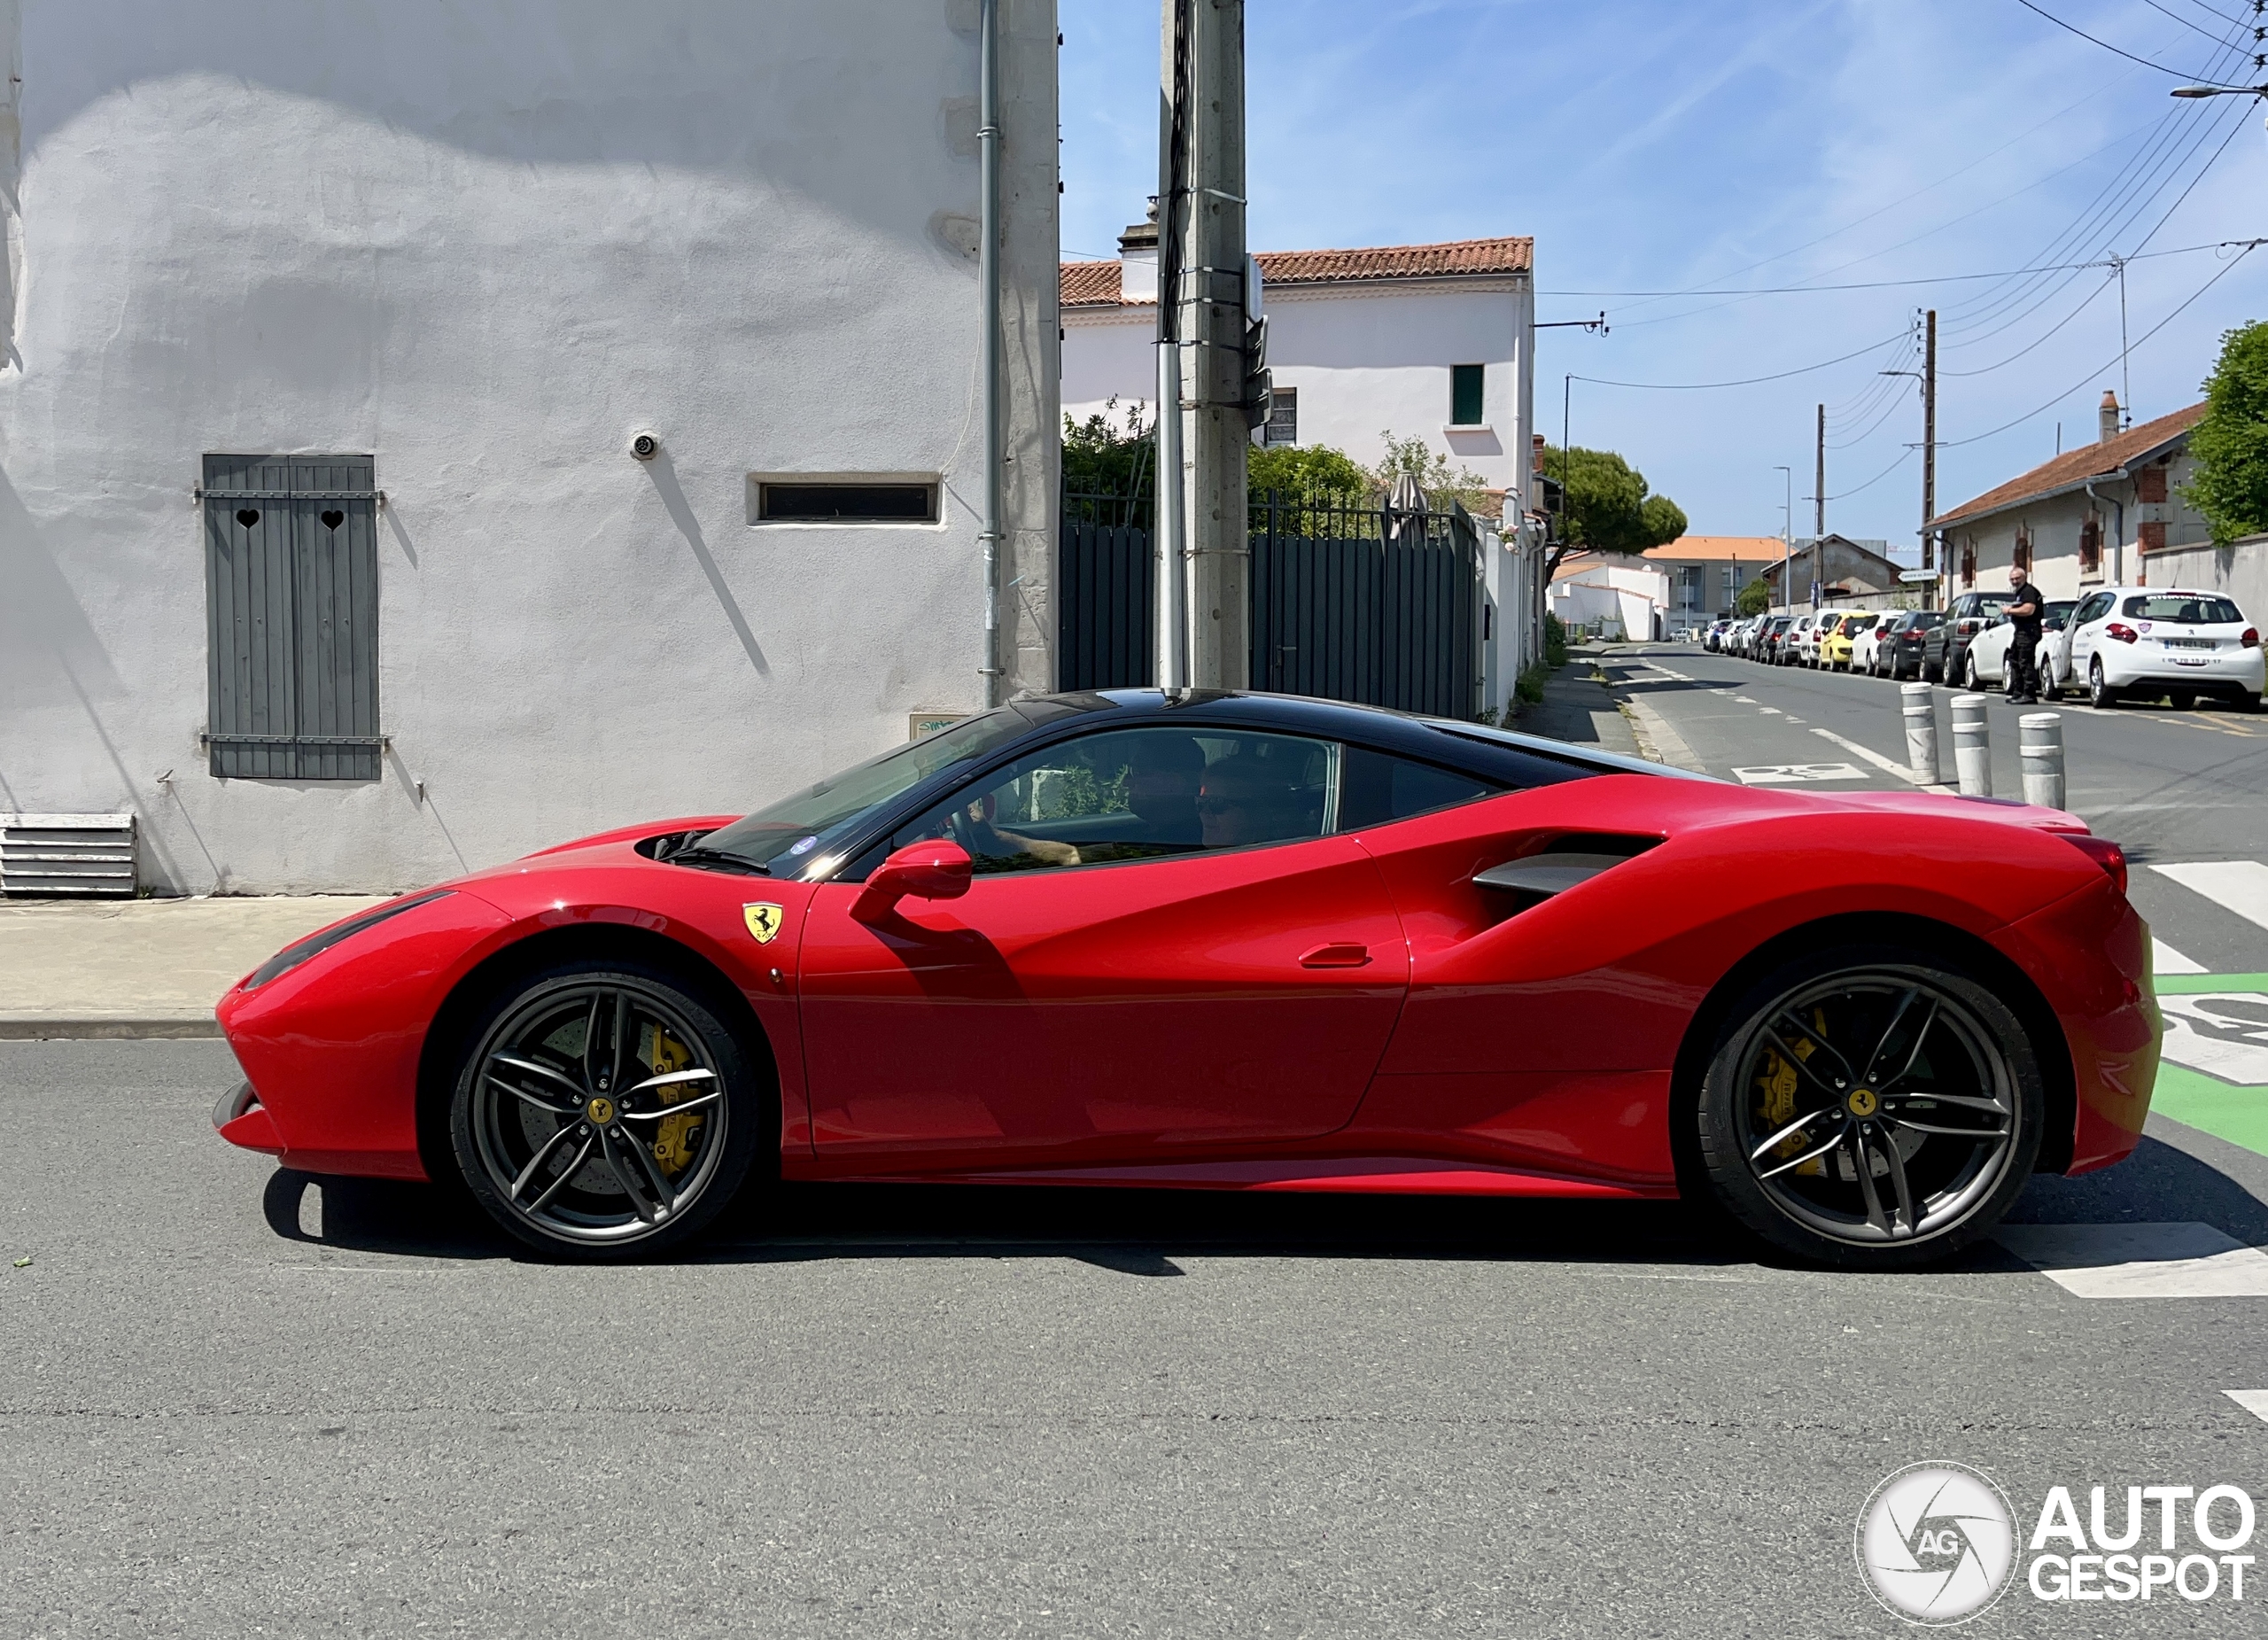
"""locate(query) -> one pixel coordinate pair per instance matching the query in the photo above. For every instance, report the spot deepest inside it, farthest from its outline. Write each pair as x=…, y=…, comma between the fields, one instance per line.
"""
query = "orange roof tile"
x=1095, y=284
x=2074, y=468
x=1740, y=548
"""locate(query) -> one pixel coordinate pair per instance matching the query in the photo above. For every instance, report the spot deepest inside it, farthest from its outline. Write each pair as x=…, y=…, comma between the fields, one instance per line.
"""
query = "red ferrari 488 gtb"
x=1244, y=942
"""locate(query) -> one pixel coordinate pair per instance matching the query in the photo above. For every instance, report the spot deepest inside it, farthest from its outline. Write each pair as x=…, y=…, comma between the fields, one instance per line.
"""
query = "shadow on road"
x=1142, y=1232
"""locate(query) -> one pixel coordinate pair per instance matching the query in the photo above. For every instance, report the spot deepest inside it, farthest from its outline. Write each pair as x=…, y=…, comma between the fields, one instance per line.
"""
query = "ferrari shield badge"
x=763, y=921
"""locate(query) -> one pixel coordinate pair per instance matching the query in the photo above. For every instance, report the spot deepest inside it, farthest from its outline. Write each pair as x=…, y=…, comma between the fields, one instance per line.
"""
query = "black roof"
x=1503, y=755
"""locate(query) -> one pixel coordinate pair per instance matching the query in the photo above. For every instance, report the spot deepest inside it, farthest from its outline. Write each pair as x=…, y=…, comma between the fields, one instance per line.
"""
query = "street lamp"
x=2219, y=90
x=1788, y=539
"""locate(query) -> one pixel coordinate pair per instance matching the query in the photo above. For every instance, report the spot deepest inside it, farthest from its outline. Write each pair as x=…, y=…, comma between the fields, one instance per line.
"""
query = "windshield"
x=2056, y=612
x=2190, y=608
x=795, y=826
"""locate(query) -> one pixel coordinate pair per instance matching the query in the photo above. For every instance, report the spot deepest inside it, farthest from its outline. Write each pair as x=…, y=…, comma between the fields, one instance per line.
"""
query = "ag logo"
x=763, y=921
x=1935, y=1543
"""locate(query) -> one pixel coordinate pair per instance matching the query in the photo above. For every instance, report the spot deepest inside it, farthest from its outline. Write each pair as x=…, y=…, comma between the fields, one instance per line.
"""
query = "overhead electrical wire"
x=2105, y=45
x=1777, y=375
x=1905, y=456
x=2188, y=23
x=1890, y=284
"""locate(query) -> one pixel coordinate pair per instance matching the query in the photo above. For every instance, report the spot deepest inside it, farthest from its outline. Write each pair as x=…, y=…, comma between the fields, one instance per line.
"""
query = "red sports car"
x=1238, y=940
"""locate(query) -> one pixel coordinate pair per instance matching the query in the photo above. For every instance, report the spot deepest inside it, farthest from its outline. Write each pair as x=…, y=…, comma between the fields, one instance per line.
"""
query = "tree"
x=2231, y=444
x=1100, y=459
x=1609, y=507
x=1755, y=598
x=1413, y=458
x=1314, y=471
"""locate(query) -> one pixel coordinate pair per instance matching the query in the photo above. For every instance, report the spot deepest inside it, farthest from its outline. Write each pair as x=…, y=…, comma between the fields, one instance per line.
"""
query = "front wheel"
x=1969, y=677
x=605, y=1111
x=1872, y=1108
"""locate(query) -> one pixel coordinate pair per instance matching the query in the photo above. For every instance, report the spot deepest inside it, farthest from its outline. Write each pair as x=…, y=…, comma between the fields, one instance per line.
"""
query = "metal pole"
x=1211, y=300
x=2040, y=742
x=1819, y=481
x=1920, y=710
x=1172, y=657
x=1929, y=443
x=1972, y=746
x=988, y=276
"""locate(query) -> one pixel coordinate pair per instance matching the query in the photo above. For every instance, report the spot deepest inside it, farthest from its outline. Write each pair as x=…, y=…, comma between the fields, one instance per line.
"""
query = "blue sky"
x=1732, y=145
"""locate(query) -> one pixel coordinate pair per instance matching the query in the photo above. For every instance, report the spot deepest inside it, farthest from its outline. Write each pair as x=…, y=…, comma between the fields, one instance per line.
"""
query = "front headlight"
x=285, y=961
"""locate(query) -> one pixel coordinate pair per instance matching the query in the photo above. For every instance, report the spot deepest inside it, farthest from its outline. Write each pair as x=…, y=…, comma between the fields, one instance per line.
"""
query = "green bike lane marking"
x=2213, y=1074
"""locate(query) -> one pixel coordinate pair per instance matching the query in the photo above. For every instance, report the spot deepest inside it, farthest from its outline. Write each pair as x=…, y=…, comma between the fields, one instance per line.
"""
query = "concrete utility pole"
x=1201, y=209
x=1819, y=481
x=1929, y=443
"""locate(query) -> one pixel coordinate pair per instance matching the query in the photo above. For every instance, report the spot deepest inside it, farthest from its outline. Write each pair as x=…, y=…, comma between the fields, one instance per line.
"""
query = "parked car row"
x=2116, y=643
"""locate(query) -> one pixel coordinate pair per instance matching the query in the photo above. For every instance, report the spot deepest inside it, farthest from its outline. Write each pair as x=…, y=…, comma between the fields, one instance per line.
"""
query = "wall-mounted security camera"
x=645, y=447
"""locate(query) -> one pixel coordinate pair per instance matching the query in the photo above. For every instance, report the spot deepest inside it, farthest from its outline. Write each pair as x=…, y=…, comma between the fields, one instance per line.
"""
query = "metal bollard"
x=1972, y=746
x=2041, y=742
x=1920, y=709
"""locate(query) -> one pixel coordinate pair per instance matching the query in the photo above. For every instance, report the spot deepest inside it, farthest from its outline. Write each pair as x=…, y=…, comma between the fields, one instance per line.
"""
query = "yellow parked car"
x=1837, y=632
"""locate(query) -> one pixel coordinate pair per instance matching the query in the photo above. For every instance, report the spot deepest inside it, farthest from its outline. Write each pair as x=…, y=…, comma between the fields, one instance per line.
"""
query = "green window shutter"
x=1464, y=394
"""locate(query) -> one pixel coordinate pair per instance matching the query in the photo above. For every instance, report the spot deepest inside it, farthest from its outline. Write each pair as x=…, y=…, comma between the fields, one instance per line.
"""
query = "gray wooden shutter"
x=292, y=585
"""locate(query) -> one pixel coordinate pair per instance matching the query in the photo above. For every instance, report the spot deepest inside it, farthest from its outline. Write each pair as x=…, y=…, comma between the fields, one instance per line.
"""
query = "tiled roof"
x=1095, y=284
x=1740, y=548
x=2074, y=468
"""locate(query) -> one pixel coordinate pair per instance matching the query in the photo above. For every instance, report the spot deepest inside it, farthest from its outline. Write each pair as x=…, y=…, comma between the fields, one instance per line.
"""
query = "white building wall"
x=1366, y=359
x=1629, y=599
x=486, y=241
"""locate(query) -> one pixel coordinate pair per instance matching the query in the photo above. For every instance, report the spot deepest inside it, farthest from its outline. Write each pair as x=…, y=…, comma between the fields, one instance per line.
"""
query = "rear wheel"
x=2100, y=696
x=2180, y=700
x=1873, y=1109
x=605, y=1111
x=2245, y=701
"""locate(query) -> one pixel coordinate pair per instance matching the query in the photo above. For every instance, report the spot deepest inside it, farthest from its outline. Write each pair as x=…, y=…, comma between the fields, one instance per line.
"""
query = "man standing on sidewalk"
x=2024, y=603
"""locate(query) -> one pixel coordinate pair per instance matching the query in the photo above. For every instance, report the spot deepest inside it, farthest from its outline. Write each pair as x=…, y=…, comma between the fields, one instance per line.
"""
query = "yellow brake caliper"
x=1777, y=1084
x=673, y=1144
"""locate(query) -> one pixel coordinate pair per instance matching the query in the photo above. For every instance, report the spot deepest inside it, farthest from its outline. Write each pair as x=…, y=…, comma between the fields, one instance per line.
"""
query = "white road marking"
x=2237, y=885
x=2165, y=960
x=2253, y=1401
x=1771, y=711
x=2141, y=1261
x=1797, y=774
x=1868, y=754
x=1745, y=700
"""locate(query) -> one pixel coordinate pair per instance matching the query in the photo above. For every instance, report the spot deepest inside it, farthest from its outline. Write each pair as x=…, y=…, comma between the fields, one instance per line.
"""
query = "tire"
x=2181, y=700
x=1922, y=1194
x=617, y=1196
x=1970, y=680
x=2245, y=701
x=2100, y=696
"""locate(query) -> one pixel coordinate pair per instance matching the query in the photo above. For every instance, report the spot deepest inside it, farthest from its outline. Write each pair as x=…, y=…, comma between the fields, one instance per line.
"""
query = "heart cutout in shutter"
x=247, y=516
x=332, y=517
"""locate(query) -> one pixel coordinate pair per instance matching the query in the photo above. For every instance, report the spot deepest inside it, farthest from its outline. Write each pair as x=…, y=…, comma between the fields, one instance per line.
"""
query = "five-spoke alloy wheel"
x=1874, y=1109
x=603, y=1111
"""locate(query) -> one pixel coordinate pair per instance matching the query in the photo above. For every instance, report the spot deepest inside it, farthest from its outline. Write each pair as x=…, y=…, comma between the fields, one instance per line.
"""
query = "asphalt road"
x=231, y=1405
x=2173, y=787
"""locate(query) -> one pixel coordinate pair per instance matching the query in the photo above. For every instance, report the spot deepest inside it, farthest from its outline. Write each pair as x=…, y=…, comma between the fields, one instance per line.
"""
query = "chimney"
x=1138, y=259
x=2109, y=415
x=1536, y=461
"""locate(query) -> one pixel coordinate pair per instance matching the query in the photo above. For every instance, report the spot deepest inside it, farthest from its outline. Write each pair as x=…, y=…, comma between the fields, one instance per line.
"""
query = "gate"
x=1359, y=605
x=1348, y=603
x=1107, y=593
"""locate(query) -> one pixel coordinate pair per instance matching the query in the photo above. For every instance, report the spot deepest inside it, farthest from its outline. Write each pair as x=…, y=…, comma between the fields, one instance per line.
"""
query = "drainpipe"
x=2117, y=537
x=987, y=275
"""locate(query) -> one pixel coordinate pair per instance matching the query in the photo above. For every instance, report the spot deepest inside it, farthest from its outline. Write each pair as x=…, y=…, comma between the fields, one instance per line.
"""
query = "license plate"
x=2191, y=644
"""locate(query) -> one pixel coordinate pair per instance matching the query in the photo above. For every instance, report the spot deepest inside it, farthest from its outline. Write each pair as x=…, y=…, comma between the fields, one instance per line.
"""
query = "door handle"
x=1339, y=954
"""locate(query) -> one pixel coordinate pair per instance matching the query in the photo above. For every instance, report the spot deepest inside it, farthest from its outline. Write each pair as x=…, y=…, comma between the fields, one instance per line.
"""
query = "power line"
x=1948, y=444
x=2105, y=45
x=2187, y=23
x=1879, y=478
x=1778, y=376
x=1886, y=284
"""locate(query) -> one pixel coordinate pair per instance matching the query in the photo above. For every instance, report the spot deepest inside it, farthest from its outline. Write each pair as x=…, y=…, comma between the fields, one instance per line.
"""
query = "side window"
x=1374, y=789
x=1136, y=794
x=2093, y=610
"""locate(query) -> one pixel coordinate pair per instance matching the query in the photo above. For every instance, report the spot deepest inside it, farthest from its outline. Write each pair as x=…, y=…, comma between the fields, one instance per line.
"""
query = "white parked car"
x=1866, y=646
x=1986, y=662
x=2146, y=641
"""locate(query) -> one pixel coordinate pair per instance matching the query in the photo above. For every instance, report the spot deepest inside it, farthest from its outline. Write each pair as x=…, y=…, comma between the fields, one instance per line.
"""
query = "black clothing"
x=2027, y=594
x=2023, y=665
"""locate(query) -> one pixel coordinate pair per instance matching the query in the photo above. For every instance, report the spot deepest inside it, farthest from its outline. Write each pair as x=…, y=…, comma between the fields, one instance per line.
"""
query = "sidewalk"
x=148, y=967
x=1575, y=707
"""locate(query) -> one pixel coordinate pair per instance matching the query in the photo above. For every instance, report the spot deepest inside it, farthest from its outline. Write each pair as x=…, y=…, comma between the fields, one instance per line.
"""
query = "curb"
x=109, y=1027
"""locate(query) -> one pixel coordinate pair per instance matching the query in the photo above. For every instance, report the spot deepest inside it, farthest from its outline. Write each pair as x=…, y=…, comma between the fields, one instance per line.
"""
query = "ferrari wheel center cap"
x=1863, y=1103
x=601, y=1111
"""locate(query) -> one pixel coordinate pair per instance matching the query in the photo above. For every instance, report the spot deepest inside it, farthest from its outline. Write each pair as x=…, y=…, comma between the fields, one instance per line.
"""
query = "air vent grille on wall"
x=46, y=855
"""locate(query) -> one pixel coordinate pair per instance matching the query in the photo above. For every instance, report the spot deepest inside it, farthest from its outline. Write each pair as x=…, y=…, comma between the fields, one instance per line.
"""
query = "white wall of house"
x=2239, y=570
x=486, y=241
x=1365, y=357
x=1629, y=598
x=2054, y=525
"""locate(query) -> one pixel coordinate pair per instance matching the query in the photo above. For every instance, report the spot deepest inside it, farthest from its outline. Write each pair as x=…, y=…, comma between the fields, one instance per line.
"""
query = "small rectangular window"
x=1283, y=416
x=1465, y=399
x=781, y=501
